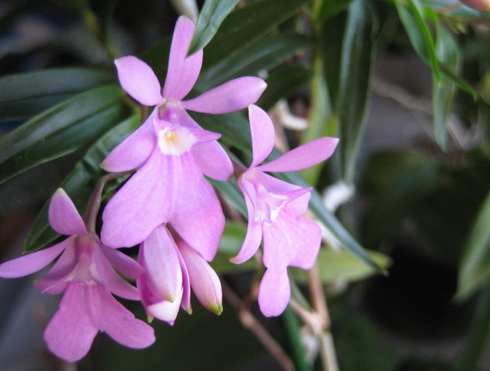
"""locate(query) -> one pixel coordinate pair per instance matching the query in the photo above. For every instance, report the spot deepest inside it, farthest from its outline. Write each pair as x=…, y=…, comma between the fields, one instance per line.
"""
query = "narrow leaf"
x=357, y=56
x=246, y=25
x=80, y=182
x=474, y=271
x=283, y=82
x=443, y=90
x=419, y=34
x=212, y=15
x=263, y=55
x=59, y=131
x=25, y=95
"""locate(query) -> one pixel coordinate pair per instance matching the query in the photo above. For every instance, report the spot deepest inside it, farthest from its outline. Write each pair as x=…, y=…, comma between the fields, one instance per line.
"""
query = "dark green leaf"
x=157, y=58
x=404, y=189
x=443, y=90
x=230, y=245
x=357, y=55
x=475, y=266
x=282, y=82
x=244, y=26
x=27, y=94
x=80, y=182
x=212, y=15
x=233, y=127
x=419, y=33
x=331, y=8
x=268, y=52
x=59, y=131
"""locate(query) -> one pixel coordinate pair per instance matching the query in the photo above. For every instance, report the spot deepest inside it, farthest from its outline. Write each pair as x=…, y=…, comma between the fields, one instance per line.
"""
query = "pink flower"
x=169, y=187
x=171, y=270
x=85, y=274
x=274, y=212
x=172, y=152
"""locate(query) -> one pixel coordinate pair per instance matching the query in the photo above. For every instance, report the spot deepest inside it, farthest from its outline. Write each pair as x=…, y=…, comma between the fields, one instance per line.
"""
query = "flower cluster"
x=171, y=211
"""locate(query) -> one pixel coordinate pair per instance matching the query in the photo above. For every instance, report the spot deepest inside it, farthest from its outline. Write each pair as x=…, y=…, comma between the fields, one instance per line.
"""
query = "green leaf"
x=59, y=131
x=230, y=245
x=263, y=55
x=331, y=8
x=283, y=82
x=419, y=33
x=474, y=271
x=80, y=182
x=444, y=89
x=212, y=15
x=357, y=56
x=404, y=188
x=334, y=265
x=25, y=95
x=246, y=25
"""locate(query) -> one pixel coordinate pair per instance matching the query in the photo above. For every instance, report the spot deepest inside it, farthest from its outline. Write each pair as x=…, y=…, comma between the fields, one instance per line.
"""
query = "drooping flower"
x=172, y=152
x=84, y=273
x=274, y=211
x=171, y=270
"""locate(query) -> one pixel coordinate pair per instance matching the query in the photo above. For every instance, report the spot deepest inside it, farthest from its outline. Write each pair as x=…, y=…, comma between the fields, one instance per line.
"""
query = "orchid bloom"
x=169, y=187
x=171, y=270
x=172, y=152
x=85, y=274
x=274, y=211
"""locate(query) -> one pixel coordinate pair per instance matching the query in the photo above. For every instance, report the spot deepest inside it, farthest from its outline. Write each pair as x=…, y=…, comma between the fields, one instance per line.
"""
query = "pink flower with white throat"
x=274, y=211
x=171, y=270
x=172, y=152
x=85, y=274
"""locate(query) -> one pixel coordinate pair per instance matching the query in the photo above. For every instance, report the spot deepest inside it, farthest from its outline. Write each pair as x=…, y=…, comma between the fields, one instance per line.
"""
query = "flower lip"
x=173, y=139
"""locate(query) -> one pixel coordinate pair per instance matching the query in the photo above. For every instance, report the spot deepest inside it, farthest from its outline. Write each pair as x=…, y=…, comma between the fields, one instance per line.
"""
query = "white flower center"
x=175, y=141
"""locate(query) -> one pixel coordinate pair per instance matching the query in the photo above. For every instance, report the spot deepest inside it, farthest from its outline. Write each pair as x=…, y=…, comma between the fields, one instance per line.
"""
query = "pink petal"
x=204, y=280
x=142, y=204
x=108, y=278
x=64, y=216
x=33, y=262
x=123, y=263
x=162, y=263
x=57, y=278
x=274, y=291
x=198, y=219
x=139, y=80
x=133, y=152
x=70, y=332
x=228, y=97
x=262, y=131
x=304, y=156
x=254, y=228
x=119, y=323
x=182, y=70
x=291, y=240
x=213, y=161
x=211, y=158
x=186, y=285
x=165, y=310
